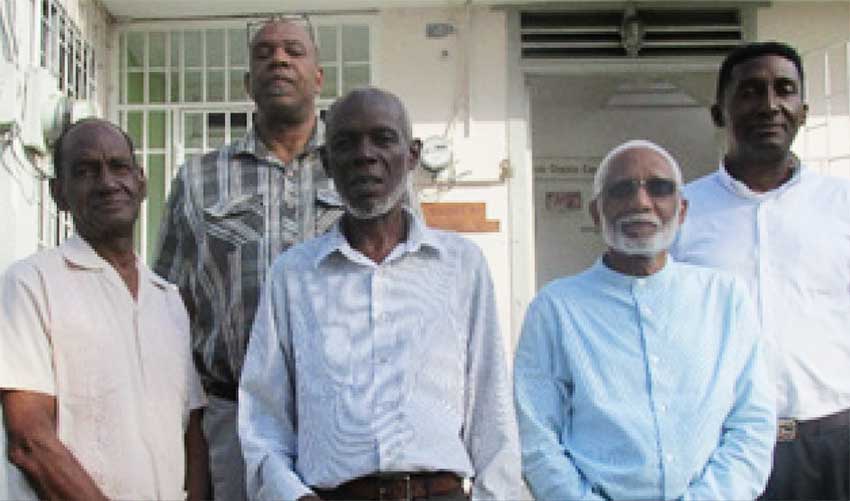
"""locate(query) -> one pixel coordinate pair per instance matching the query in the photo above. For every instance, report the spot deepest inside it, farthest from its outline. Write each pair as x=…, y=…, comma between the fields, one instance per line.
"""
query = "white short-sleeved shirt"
x=120, y=369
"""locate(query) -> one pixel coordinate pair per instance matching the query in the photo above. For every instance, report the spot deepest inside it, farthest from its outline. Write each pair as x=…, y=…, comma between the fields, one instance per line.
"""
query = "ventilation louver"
x=642, y=33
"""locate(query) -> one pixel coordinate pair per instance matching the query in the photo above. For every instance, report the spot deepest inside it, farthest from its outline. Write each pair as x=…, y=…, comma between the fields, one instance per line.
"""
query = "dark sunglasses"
x=656, y=187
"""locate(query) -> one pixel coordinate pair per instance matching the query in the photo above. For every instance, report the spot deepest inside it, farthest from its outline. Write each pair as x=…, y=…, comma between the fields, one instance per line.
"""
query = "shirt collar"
x=418, y=236
x=251, y=144
x=621, y=280
x=742, y=190
x=79, y=253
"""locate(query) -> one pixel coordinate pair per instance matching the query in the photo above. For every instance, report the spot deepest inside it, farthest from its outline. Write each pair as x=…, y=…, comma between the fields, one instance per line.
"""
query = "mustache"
x=638, y=218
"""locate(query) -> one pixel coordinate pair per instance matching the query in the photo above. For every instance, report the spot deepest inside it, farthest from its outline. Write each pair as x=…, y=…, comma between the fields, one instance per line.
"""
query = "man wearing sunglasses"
x=641, y=377
x=232, y=211
x=784, y=229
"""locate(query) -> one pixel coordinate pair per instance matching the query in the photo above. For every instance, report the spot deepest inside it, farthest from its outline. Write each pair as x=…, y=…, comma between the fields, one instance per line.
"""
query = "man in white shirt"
x=784, y=229
x=376, y=369
x=100, y=397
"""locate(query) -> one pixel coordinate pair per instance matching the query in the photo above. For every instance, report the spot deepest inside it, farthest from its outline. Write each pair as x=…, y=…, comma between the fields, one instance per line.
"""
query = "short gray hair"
x=634, y=144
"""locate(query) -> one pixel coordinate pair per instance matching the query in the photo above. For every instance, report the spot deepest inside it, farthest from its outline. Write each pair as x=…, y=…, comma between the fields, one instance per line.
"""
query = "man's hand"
x=51, y=469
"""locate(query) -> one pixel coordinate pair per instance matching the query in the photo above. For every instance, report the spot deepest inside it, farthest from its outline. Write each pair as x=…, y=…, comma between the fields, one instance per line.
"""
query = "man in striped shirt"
x=231, y=211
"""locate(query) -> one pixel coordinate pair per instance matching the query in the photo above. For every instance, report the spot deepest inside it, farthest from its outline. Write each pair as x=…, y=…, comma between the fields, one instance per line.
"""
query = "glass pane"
x=134, y=127
x=215, y=130
x=215, y=48
x=156, y=86
x=238, y=125
x=176, y=39
x=156, y=129
x=175, y=86
x=215, y=85
x=156, y=49
x=193, y=49
x=156, y=198
x=327, y=44
x=330, y=88
x=237, y=85
x=355, y=43
x=135, y=49
x=238, y=47
x=353, y=77
x=194, y=86
x=193, y=133
x=135, y=87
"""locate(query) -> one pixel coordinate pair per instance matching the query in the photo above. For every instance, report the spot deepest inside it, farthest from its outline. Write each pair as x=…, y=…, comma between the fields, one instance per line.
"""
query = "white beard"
x=380, y=207
x=650, y=246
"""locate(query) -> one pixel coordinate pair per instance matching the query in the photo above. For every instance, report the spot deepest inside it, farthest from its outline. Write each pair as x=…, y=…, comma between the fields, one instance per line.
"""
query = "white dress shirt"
x=355, y=368
x=792, y=247
x=120, y=368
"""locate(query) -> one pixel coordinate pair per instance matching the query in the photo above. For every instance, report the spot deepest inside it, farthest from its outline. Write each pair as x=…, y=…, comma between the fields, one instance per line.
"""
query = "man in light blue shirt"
x=641, y=377
x=375, y=368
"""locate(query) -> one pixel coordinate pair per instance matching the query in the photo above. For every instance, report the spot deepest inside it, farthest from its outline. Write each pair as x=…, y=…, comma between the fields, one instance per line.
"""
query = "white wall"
x=21, y=181
x=432, y=78
x=821, y=32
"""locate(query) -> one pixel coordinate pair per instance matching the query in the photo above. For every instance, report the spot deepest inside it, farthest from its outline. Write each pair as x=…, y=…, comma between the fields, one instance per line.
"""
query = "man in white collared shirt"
x=376, y=369
x=100, y=397
x=785, y=229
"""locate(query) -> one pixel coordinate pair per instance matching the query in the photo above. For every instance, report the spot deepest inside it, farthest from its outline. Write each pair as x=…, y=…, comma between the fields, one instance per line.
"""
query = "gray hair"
x=635, y=144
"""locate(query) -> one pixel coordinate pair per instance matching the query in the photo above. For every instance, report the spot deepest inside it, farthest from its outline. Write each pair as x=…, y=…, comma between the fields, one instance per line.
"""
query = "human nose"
x=106, y=178
x=365, y=150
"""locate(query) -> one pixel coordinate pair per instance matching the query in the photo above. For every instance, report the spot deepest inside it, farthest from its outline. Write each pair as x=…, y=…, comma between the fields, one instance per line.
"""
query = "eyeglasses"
x=300, y=19
x=656, y=187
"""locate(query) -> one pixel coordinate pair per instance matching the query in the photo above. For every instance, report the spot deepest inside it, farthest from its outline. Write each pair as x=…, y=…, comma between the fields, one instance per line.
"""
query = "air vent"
x=641, y=33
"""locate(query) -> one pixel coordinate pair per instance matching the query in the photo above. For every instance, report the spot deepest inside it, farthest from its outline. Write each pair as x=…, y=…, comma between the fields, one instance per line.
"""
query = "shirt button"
x=663, y=407
x=385, y=317
x=654, y=359
x=646, y=310
x=669, y=458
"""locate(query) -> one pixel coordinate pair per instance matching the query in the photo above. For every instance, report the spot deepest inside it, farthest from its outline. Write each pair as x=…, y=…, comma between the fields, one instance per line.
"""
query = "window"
x=181, y=92
x=71, y=58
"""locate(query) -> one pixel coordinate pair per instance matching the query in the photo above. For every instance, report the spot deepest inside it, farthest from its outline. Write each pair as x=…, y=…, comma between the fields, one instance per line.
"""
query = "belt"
x=396, y=486
x=788, y=429
x=222, y=390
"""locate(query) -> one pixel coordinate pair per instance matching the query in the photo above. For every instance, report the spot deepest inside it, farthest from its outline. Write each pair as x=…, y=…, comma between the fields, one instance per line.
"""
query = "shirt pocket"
x=235, y=221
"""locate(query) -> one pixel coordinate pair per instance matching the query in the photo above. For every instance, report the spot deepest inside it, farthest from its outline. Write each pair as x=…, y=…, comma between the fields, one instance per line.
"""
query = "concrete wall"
x=21, y=173
x=457, y=86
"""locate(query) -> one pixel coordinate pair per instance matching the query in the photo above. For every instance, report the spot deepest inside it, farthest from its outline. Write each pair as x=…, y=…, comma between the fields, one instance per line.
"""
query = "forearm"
x=197, y=459
x=51, y=469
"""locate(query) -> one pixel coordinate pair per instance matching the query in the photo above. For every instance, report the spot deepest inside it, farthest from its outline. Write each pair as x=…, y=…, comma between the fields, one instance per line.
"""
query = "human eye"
x=262, y=51
x=621, y=189
x=385, y=136
x=786, y=87
x=296, y=49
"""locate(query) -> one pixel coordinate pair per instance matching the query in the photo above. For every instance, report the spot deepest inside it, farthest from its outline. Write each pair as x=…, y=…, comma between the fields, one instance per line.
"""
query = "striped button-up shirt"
x=644, y=388
x=230, y=213
x=355, y=368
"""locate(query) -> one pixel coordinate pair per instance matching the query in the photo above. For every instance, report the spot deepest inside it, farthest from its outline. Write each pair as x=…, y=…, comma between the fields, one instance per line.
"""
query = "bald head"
x=364, y=98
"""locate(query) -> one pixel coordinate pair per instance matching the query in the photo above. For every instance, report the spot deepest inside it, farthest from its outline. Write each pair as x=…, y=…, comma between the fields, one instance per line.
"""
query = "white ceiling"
x=166, y=9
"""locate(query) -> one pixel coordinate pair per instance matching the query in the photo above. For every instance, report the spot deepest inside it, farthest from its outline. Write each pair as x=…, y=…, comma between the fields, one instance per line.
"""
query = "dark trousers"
x=815, y=465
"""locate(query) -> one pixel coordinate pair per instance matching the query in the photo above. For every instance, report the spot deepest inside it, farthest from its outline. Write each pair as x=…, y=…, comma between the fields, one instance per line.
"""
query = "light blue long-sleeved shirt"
x=644, y=388
x=355, y=368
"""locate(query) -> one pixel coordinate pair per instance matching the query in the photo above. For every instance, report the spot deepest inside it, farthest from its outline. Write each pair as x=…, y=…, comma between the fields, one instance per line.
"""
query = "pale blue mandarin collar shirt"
x=644, y=388
x=356, y=367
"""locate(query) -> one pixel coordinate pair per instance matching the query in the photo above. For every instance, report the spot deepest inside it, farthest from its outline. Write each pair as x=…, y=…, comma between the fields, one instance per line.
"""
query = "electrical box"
x=11, y=96
x=45, y=110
